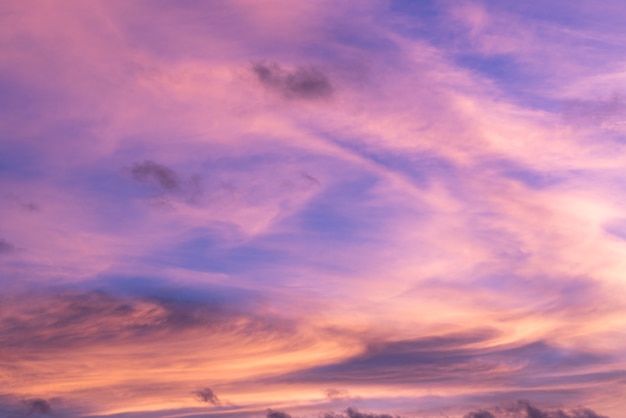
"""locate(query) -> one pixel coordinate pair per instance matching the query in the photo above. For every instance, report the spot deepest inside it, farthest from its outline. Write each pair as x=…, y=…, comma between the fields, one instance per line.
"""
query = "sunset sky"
x=338, y=208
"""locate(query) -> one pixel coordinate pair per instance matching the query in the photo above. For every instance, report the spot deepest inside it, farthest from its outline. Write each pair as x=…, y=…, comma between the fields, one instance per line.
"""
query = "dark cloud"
x=353, y=413
x=479, y=414
x=151, y=172
x=12, y=406
x=207, y=395
x=524, y=409
x=520, y=409
x=307, y=83
x=277, y=414
x=71, y=319
x=30, y=207
x=444, y=359
x=38, y=406
x=429, y=359
x=6, y=247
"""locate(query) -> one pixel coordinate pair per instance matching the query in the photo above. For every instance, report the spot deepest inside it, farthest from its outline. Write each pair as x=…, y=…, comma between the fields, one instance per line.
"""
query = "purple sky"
x=329, y=208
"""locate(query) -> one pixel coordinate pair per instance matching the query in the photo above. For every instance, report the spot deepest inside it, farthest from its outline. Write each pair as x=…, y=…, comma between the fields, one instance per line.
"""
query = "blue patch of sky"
x=166, y=289
x=420, y=19
x=344, y=215
x=207, y=254
x=341, y=213
x=18, y=160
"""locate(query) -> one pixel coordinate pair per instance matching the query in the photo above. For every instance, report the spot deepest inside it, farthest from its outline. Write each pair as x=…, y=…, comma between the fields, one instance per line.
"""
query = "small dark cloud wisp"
x=38, y=406
x=207, y=395
x=354, y=413
x=151, y=172
x=524, y=409
x=277, y=414
x=479, y=414
x=307, y=83
x=521, y=409
x=6, y=247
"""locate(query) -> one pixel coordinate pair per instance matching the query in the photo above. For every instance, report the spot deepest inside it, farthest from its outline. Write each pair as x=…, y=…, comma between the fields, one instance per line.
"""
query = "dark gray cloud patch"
x=354, y=413
x=6, y=247
x=524, y=409
x=307, y=83
x=479, y=414
x=207, y=395
x=38, y=406
x=151, y=172
x=12, y=406
x=277, y=414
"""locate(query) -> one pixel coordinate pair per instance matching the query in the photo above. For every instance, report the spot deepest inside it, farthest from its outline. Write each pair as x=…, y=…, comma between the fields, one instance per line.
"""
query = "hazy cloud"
x=336, y=394
x=609, y=113
x=299, y=83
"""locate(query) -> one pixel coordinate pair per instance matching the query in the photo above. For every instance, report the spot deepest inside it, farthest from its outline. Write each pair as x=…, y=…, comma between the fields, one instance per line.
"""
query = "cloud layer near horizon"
x=217, y=208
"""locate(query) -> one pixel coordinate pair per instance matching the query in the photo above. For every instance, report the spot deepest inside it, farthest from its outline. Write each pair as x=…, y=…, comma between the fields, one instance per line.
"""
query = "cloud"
x=307, y=83
x=520, y=409
x=354, y=413
x=277, y=414
x=336, y=394
x=207, y=395
x=606, y=113
x=151, y=172
x=479, y=414
x=68, y=319
x=393, y=195
x=38, y=406
x=12, y=406
x=6, y=247
x=524, y=409
x=423, y=360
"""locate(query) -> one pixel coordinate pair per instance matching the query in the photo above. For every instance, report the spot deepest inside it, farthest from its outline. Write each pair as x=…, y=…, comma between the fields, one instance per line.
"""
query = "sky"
x=330, y=208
